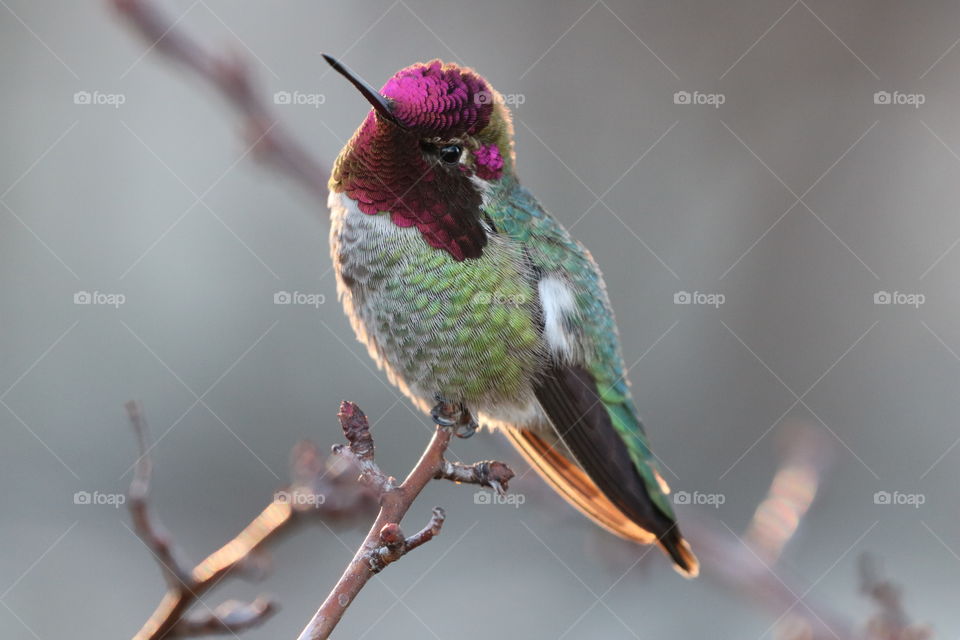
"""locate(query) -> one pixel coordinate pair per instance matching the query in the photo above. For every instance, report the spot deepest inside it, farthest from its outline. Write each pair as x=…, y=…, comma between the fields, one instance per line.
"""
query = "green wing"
x=588, y=400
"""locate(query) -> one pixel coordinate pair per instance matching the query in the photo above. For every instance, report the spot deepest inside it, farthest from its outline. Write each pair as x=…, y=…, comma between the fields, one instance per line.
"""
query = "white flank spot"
x=558, y=304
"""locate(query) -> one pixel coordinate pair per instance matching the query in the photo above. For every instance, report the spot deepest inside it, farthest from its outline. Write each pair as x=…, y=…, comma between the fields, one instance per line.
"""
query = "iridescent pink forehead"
x=440, y=100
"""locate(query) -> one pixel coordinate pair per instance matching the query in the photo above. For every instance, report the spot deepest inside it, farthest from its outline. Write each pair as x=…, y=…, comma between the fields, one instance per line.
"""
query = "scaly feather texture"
x=461, y=285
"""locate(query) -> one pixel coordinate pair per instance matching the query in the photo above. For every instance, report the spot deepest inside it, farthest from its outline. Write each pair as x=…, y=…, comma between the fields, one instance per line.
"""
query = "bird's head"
x=436, y=141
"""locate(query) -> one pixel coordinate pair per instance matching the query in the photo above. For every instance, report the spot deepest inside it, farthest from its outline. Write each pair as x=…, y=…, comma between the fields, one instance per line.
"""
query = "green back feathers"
x=516, y=213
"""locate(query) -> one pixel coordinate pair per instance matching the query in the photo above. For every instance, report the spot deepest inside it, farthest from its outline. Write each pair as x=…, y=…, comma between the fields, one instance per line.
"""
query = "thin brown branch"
x=807, y=453
x=317, y=490
x=394, y=545
x=487, y=473
x=729, y=561
x=360, y=448
x=145, y=524
x=748, y=563
x=385, y=542
x=231, y=77
x=322, y=489
x=891, y=621
x=229, y=618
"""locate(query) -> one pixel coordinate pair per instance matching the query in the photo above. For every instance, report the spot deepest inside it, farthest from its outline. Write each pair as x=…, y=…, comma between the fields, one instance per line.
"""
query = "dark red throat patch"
x=384, y=170
x=383, y=167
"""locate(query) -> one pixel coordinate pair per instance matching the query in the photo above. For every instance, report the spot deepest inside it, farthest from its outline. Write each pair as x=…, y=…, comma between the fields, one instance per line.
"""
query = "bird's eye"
x=450, y=154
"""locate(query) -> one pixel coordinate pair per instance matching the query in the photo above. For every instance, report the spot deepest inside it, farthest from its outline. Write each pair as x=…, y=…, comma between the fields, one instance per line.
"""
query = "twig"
x=735, y=565
x=175, y=573
x=806, y=455
x=385, y=542
x=487, y=473
x=317, y=490
x=326, y=490
x=891, y=622
x=394, y=545
x=749, y=563
x=231, y=617
x=232, y=78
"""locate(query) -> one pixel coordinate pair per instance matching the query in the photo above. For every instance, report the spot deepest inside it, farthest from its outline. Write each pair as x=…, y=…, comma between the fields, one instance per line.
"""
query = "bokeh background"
x=797, y=199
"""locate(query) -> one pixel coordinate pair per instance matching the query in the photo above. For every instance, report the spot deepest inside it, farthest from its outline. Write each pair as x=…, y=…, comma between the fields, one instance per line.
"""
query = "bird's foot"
x=467, y=427
x=445, y=414
x=455, y=416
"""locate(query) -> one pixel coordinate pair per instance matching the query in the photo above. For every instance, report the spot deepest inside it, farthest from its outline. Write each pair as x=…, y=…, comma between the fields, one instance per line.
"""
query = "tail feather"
x=569, y=480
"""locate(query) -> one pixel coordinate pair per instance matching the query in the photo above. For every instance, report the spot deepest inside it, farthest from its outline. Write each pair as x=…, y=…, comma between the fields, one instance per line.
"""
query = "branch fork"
x=385, y=543
x=326, y=489
x=394, y=545
x=344, y=500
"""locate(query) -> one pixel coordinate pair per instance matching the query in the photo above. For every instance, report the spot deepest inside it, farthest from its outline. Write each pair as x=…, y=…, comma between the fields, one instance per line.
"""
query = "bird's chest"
x=467, y=329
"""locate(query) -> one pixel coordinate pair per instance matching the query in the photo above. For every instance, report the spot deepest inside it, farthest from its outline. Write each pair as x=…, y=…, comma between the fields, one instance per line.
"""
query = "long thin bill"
x=373, y=96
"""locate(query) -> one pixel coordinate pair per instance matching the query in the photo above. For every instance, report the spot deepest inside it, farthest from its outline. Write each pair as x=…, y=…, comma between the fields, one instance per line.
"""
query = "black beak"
x=373, y=96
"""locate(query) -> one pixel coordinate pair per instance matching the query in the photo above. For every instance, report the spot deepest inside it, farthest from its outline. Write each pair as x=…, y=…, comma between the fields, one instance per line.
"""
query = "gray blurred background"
x=103, y=198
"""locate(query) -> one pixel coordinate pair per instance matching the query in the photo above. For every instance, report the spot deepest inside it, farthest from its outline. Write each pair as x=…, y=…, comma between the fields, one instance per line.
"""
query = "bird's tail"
x=566, y=477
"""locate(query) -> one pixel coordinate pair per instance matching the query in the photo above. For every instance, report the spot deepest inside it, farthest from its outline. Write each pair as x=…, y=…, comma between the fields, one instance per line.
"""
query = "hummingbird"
x=469, y=295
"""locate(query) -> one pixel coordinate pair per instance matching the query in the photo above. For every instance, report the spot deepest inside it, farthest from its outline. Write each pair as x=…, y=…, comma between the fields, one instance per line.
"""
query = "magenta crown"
x=384, y=169
x=437, y=99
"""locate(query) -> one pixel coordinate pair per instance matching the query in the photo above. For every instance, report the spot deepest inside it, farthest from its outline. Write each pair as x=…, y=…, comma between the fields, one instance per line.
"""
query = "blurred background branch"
x=230, y=75
x=324, y=489
x=749, y=562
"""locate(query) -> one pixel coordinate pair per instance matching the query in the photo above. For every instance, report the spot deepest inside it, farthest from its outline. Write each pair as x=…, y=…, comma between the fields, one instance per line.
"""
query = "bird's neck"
x=383, y=170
